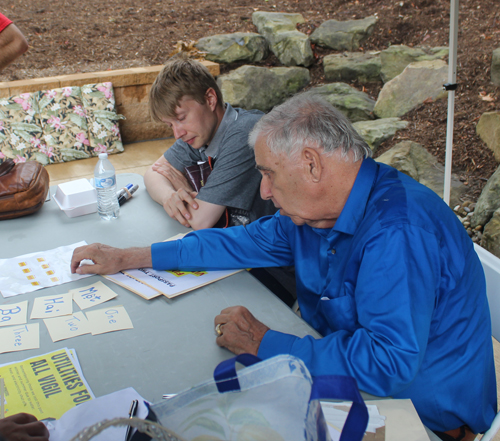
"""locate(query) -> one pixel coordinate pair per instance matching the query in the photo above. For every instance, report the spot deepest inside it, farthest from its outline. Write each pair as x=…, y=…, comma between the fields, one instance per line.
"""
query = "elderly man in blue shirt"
x=385, y=271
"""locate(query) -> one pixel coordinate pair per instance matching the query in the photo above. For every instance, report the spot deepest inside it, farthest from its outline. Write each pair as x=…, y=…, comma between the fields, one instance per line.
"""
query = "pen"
x=127, y=195
x=123, y=190
x=131, y=413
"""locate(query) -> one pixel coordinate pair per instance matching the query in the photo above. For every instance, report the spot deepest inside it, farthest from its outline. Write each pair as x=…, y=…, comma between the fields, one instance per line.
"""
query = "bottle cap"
x=103, y=155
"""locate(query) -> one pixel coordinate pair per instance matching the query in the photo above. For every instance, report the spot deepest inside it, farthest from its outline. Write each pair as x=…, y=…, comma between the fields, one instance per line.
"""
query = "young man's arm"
x=12, y=45
x=170, y=190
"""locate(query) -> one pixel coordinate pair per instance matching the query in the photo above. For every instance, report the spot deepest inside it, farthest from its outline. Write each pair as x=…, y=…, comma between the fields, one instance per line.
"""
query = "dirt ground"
x=92, y=35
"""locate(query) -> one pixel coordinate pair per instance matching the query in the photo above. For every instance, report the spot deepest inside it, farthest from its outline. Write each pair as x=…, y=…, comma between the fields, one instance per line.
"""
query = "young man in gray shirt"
x=186, y=97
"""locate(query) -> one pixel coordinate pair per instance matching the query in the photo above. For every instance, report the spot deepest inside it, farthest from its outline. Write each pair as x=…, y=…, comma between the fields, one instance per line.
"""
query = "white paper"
x=30, y=272
x=61, y=328
x=134, y=285
x=174, y=283
x=13, y=314
x=114, y=405
x=52, y=306
x=335, y=417
x=114, y=318
x=19, y=338
x=92, y=295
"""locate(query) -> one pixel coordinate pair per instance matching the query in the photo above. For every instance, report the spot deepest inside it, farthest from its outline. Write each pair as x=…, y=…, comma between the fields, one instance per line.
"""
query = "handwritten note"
x=19, y=338
x=68, y=326
x=114, y=318
x=13, y=314
x=92, y=295
x=52, y=306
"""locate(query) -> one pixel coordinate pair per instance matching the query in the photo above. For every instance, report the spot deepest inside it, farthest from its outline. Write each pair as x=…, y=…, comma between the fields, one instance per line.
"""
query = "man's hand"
x=176, y=206
x=109, y=260
x=23, y=427
x=176, y=178
x=241, y=331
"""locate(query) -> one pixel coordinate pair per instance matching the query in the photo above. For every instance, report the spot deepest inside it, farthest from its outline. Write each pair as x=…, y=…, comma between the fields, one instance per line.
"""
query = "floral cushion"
x=60, y=125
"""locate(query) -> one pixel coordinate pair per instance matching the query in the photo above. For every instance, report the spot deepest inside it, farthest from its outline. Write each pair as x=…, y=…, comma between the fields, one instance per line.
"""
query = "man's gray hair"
x=307, y=120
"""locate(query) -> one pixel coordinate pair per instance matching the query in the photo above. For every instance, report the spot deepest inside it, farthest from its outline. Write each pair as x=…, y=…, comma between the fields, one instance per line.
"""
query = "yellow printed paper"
x=52, y=306
x=114, y=318
x=13, y=314
x=45, y=386
x=92, y=295
x=61, y=328
x=19, y=338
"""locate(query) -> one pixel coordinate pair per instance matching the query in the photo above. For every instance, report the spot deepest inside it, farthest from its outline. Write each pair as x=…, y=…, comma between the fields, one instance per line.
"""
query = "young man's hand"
x=176, y=178
x=176, y=206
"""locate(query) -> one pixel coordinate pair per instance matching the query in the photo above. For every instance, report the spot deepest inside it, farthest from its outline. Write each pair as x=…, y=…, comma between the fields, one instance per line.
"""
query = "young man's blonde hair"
x=179, y=78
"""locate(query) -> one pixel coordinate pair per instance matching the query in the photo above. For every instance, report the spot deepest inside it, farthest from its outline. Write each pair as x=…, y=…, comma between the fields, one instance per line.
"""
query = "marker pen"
x=127, y=195
x=123, y=190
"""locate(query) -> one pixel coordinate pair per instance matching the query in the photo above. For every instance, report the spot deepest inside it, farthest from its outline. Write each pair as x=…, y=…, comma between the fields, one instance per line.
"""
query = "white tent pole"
x=451, y=86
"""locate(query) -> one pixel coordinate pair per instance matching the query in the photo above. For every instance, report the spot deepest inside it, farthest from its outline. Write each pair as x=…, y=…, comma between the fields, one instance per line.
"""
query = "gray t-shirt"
x=234, y=181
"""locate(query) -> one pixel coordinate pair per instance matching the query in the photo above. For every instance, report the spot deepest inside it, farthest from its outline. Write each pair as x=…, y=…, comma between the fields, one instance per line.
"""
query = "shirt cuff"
x=275, y=343
x=164, y=255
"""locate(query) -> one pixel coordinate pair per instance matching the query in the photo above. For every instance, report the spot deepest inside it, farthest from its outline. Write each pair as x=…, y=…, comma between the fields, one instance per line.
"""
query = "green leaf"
x=2, y=137
x=106, y=123
x=248, y=416
x=208, y=424
x=23, y=134
x=70, y=154
x=26, y=127
x=96, y=94
x=14, y=106
x=78, y=120
x=107, y=114
x=44, y=102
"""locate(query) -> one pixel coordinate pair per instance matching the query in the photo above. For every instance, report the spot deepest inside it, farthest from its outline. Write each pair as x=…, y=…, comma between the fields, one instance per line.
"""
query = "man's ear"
x=211, y=98
x=312, y=163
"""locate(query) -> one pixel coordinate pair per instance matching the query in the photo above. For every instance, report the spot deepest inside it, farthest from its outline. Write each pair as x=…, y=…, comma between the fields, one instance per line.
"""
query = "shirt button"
x=333, y=251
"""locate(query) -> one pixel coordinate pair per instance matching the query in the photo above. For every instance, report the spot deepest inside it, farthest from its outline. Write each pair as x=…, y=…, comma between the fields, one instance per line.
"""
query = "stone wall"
x=131, y=88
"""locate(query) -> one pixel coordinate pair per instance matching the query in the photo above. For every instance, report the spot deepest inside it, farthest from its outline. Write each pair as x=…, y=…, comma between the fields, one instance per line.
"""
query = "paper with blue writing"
x=55, y=305
x=29, y=272
x=19, y=338
x=45, y=385
x=13, y=314
x=113, y=318
x=92, y=295
x=68, y=326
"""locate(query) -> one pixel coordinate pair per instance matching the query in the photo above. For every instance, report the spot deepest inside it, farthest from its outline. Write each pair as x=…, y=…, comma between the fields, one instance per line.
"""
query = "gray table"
x=172, y=345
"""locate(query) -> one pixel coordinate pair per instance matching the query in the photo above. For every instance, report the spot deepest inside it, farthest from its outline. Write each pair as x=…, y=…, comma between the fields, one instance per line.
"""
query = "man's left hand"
x=241, y=331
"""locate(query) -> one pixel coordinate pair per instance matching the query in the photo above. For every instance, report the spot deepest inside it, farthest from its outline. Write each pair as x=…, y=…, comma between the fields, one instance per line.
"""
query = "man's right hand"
x=23, y=427
x=177, y=204
x=109, y=260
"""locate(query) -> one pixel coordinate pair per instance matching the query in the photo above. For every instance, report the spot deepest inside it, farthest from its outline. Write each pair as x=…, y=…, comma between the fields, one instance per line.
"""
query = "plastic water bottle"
x=105, y=184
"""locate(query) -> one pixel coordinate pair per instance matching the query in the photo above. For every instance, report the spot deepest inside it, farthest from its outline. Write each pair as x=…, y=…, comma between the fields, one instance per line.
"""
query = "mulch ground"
x=93, y=35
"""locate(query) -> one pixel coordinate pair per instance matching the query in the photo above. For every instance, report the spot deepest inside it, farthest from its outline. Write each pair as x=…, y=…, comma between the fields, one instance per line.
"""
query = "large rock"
x=354, y=104
x=488, y=202
x=343, y=35
x=488, y=129
x=491, y=234
x=414, y=160
x=240, y=46
x=352, y=66
x=495, y=67
x=252, y=87
x=395, y=58
x=293, y=48
x=378, y=131
x=418, y=83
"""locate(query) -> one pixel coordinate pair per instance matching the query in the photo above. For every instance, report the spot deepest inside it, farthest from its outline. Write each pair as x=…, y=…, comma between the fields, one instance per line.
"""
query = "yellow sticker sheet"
x=45, y=386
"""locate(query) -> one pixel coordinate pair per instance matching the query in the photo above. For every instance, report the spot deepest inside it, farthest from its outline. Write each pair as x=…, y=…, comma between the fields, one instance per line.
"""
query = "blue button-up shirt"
x=395, y=288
